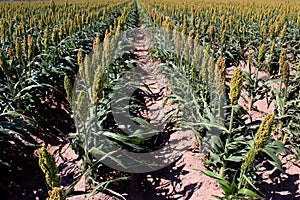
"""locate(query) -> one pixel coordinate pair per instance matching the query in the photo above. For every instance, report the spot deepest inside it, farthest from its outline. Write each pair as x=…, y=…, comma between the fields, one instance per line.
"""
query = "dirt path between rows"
x=178, y=180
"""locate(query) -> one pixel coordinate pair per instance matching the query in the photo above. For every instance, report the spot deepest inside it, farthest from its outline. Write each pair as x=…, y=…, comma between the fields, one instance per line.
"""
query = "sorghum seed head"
x=18, y=48
x=261, y=53
x=220, y=74
x=55, y=36
x=282, y=58
x=264, y=132
x=48, y=166
x=96, y=42
x=236, y=86
x=56, y=194
x=285, y=73
x=68, y=86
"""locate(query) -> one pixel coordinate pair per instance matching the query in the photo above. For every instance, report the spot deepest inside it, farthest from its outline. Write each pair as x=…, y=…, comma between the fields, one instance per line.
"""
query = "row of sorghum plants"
x=32, y=28
x=262, y=35
x=235, y=30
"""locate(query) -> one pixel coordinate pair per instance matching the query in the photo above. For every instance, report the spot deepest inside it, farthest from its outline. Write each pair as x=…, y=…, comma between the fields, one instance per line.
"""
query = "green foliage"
x=231, y=189
x=233, y=42
x=31, y=75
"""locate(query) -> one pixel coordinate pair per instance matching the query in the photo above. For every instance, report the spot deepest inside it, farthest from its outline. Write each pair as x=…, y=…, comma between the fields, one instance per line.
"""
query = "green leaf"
x=235, y=158
x=250, y=193
x=222, y=182
x=270, y=152
x=141, y=121
x=128, y=140
x=249, y=182
x=273, y=81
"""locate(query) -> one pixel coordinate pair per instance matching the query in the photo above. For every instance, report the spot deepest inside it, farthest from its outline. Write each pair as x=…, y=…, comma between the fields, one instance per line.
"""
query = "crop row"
x=228, y=52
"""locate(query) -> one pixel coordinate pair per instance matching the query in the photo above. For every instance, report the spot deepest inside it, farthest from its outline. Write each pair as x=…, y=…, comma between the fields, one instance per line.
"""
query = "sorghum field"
x=225, y=71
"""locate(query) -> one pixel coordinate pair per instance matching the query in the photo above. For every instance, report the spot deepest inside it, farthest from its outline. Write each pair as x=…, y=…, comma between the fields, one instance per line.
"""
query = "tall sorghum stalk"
x=220, y=76
x=236, y=86
x=284, y=70
x=264, y=132
x=99, y=78
x=251, y=95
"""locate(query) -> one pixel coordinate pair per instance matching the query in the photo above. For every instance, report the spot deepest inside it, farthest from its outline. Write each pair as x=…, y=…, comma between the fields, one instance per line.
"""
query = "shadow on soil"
x=160, y=185
x=280, y=185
